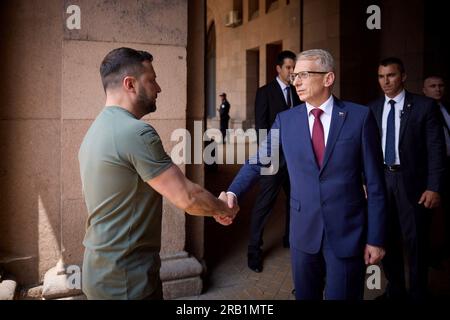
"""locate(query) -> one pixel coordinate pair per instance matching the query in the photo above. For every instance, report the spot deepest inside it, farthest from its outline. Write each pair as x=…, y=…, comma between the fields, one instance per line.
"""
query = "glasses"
x=305, y=74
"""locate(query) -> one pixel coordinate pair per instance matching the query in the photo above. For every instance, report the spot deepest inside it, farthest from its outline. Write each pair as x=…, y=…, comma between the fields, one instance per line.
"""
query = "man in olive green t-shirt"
x=125, y=172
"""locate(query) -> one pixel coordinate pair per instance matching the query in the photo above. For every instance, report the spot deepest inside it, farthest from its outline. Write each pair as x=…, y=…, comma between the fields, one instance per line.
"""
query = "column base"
x=181, y=275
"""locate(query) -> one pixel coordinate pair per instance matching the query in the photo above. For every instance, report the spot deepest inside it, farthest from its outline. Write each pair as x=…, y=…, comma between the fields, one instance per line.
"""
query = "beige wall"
x=30, y=131
x=51, y=92
x=280, y=24
x=402, y=35
x=321, y=30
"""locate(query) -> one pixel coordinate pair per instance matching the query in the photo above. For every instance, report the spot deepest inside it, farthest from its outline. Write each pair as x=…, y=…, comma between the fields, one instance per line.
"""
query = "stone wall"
x=51, y=92
x=280, y=23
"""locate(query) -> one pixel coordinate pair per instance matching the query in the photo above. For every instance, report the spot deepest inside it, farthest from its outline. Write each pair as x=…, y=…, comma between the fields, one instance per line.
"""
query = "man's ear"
x=329, y=79
x=404, y=77
x=278, y=69
x=129, y=84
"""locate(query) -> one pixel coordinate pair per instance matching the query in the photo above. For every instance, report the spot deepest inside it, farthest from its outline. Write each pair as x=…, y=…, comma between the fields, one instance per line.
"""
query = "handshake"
x=230, y=200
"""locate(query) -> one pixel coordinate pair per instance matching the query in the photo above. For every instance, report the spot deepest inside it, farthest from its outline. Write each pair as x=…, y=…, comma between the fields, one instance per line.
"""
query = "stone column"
x=51, y=95
x=161, y=29
x=182, y=261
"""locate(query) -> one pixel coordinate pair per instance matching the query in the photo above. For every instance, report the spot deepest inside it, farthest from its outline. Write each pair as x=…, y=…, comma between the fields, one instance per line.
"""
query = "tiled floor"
x=228, y=276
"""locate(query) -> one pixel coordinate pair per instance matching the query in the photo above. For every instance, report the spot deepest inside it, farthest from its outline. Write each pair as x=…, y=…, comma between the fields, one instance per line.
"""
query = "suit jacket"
x=330, y=199
x=421, y=143
x=224, y=110
x=269, y=102
x=446, y=105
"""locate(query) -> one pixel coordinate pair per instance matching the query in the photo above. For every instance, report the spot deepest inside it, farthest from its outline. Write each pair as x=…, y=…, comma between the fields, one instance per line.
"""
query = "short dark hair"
x=393, y=60
x=436, y=76
x=122, y=62
x=285, y=55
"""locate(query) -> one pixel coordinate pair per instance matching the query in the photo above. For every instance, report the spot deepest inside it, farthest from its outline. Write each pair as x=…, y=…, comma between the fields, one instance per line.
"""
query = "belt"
x=393, y=168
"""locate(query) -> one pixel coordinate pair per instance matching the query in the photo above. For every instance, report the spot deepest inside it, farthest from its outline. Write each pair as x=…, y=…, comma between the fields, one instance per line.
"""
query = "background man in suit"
x=434, y=88
x=272, y=98
x=413, y=145
x=224, y=112
x=328, y=146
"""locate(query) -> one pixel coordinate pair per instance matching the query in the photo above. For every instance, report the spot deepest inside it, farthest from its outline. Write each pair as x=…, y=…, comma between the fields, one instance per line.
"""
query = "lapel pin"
x=341, y=114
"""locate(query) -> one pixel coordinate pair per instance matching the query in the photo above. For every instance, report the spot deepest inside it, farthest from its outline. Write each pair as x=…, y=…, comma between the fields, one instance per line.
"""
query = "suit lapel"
x=337, y=120
x=407, y=106
x=279, y=95
x=305, y=135
x=379, y=115
x=446, y=105
x=295, y=99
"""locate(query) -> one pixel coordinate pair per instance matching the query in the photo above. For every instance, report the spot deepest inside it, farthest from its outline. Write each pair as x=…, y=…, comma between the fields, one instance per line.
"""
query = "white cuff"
x=235, y=196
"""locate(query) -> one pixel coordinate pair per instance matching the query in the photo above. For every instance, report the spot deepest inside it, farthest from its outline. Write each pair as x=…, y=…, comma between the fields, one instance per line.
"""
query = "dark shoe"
x=254, y=261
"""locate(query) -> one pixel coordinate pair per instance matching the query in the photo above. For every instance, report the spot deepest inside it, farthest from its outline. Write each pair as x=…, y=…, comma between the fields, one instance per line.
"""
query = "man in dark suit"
x=328, y=146
x=434, y=88
x=276, y=96
x=413, y=145
x=224, y=112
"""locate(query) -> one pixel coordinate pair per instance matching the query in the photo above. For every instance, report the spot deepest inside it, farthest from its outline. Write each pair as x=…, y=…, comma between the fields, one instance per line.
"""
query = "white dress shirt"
x=399, y=102
x=283, y=87
x=325, y=117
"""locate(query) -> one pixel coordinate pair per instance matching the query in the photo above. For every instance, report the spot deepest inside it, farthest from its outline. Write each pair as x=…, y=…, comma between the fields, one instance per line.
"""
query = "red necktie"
x=318, y=139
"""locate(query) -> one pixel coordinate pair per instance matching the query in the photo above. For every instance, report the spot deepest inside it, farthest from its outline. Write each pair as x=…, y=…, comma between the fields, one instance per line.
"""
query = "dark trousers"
x=408, y=232
x=269, y=187
x=224, y=127
x=323, y=272
x=440, y=232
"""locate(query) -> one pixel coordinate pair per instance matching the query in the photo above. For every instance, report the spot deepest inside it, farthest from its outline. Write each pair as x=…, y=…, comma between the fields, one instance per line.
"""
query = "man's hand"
x=231, y=201
x=430, y=199
x=372, y=254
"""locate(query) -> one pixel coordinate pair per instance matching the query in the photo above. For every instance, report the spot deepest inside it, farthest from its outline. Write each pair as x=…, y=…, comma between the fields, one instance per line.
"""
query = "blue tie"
x=389, y=152
x=288, y=97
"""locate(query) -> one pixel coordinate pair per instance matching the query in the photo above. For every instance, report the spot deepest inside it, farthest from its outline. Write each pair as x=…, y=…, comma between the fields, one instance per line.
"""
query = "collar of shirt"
x=398, y=98
x=282, y=85
x=327, y=107
x=325, y=118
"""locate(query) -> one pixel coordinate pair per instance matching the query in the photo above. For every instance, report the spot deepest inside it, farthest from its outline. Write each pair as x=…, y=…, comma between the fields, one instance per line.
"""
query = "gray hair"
x=323, y=58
